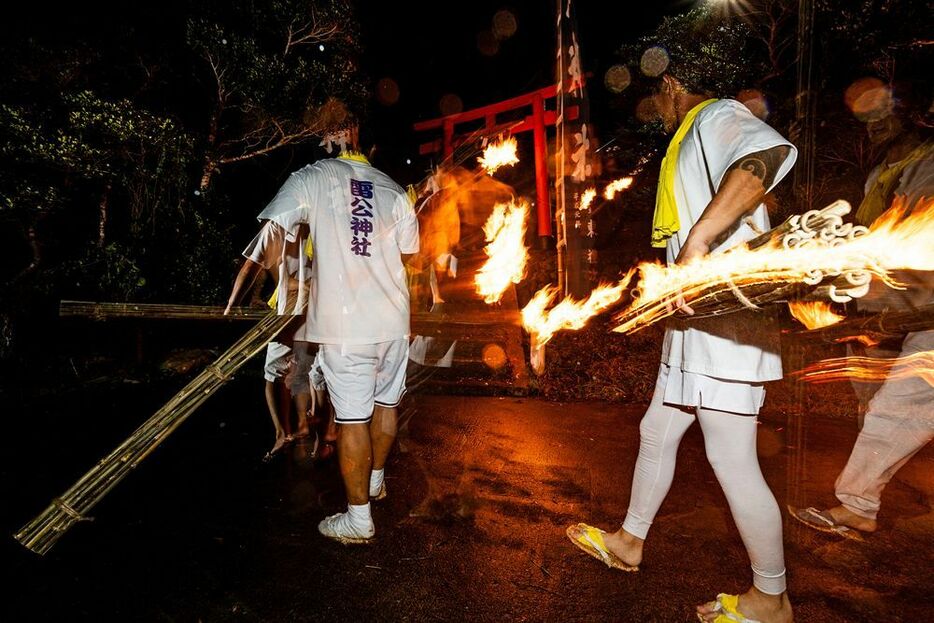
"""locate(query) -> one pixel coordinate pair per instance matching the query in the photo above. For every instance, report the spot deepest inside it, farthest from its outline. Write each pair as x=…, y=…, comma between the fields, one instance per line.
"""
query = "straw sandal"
x=726, y=606
x=381, y=495
x=822, y=521
x=590, y=540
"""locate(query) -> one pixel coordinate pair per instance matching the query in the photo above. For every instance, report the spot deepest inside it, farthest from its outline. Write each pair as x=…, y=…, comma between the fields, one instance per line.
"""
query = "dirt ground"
x=480, y=492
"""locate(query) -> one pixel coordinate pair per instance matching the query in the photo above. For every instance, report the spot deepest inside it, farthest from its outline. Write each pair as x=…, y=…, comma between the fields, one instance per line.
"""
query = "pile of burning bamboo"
x=43, y=532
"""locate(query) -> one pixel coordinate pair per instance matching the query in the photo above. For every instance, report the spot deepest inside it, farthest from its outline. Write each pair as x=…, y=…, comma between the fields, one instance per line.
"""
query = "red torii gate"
x=535, y=122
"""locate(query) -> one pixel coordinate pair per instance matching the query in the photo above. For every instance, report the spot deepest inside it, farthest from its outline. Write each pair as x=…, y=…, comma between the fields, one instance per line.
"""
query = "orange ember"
x=814, y=315
x=865, y=340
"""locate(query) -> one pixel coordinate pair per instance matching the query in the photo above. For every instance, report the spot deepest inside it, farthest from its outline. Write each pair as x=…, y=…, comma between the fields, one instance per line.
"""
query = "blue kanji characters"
x=362, y=189
x=360, y=246
x=361, y=226
x=361, y=212
x=361, y=207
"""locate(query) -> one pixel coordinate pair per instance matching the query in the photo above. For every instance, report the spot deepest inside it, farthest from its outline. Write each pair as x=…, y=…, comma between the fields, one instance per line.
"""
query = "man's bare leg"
x=355, y=456
x=302, y=405
x=329, y=448
x=281, y=437
x=383, y=430
x=285, y=409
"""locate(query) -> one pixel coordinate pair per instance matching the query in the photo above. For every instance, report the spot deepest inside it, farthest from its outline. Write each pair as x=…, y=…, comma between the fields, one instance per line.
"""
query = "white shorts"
x=360, y=376
x=317, y=376
x=303, y=356
x=688, y=389
x=277, y=361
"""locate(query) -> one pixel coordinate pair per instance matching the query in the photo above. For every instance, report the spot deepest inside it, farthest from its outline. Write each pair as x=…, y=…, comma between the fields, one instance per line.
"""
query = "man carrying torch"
x=719, y=166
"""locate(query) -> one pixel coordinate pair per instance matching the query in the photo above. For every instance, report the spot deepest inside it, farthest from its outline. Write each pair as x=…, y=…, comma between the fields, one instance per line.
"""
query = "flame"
x=814, y=315
x=870, y=370
x=500, y=154
x=506, y=251
x=899, y=239
x=616, y=186
x=587, y=198
x=568, y=314
x=865, y=340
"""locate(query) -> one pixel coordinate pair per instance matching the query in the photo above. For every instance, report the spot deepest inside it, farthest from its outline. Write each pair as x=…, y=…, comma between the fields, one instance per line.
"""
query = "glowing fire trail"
x=568, y=314
x=896, y=241
x=814, y=314
x=869, y=370
x=616, y=186
x=506, y=251
x=498, y=155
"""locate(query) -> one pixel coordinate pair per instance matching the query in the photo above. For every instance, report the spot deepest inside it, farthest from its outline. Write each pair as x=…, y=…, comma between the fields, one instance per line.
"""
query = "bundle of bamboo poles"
x=43, y=532
x=826, y=225
x=724, y=296
x=102, y=311
x=455, y=325
x=882, y=325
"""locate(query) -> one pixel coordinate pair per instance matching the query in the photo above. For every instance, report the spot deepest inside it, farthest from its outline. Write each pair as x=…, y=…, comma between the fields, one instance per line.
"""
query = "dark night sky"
x=430, y=49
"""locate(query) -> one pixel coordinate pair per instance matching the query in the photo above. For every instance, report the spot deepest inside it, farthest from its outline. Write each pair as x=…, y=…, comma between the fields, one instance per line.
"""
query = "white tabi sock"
x=376, y=481
x=360, y=516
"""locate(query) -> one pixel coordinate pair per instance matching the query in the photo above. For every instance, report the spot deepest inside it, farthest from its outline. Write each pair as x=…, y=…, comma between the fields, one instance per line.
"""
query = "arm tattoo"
x=763, y=164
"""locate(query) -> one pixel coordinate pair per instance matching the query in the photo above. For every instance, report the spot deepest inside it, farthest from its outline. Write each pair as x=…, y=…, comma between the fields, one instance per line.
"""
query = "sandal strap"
x=599, y=547
x=819, y=516
x=730, y=612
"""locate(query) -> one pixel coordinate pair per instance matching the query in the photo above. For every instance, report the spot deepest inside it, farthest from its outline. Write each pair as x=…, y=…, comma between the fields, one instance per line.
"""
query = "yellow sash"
x=353, y=155
x=879, y=196
x=665, y=222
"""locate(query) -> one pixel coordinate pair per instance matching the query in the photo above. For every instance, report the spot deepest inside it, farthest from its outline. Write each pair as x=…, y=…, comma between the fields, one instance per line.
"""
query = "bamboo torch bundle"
x=40, y=534
x=878, y=326
x=736, y=280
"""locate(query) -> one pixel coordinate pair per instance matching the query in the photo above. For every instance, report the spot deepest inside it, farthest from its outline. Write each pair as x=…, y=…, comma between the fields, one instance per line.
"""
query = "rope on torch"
x=740, y=296
x=223, y=377
x=69, y=510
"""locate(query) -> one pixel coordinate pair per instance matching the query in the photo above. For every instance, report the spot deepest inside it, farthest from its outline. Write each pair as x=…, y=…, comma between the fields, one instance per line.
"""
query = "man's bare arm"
x=244, y=280
x=743, y=188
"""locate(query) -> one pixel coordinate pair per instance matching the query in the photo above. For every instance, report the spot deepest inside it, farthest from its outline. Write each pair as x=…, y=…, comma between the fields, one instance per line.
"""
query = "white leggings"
x=730, y=441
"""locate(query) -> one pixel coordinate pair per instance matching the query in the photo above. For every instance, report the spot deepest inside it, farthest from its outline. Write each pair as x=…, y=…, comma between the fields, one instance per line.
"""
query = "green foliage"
x=110, y=134
x=111, y=272
x=706, y=52
x=875, y=35
x=196, y=263
x=266, y=78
